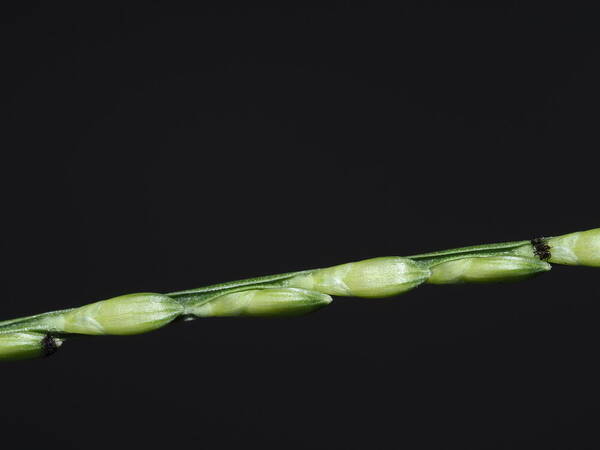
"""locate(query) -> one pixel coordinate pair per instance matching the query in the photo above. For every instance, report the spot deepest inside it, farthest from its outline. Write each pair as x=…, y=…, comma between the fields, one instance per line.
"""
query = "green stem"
x=267, y=281
x=192, y=298
x=516, y=248
x=298, y=292
x=48, y=322
x=51, y=322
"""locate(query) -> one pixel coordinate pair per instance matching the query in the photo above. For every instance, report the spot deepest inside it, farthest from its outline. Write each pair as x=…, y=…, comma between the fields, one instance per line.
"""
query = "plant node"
x=541, y=248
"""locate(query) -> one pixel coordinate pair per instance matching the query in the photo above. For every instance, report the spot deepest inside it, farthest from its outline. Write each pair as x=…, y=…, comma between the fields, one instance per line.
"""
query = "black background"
x=159, y=147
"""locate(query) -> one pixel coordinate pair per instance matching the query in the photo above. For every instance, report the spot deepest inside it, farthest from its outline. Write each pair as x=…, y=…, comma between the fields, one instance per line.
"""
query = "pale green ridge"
x=268, y=302
x=487, y=269
x=576, y=249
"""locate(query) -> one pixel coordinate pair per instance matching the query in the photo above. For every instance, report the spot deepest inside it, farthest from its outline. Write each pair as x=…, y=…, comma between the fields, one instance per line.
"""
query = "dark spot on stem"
x=49, y=345
x=541, y=248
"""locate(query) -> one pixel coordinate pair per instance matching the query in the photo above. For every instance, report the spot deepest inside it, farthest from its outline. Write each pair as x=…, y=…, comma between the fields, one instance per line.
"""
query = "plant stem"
x=516, y=248
x=51, y=321
x=299, y=292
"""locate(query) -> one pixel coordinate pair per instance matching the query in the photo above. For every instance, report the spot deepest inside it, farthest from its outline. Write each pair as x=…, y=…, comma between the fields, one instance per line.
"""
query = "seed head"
x=370, y=278
x=577, y=249
x=487, y=269
x=263, y=303
x=127, y=314
x=15, y=346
